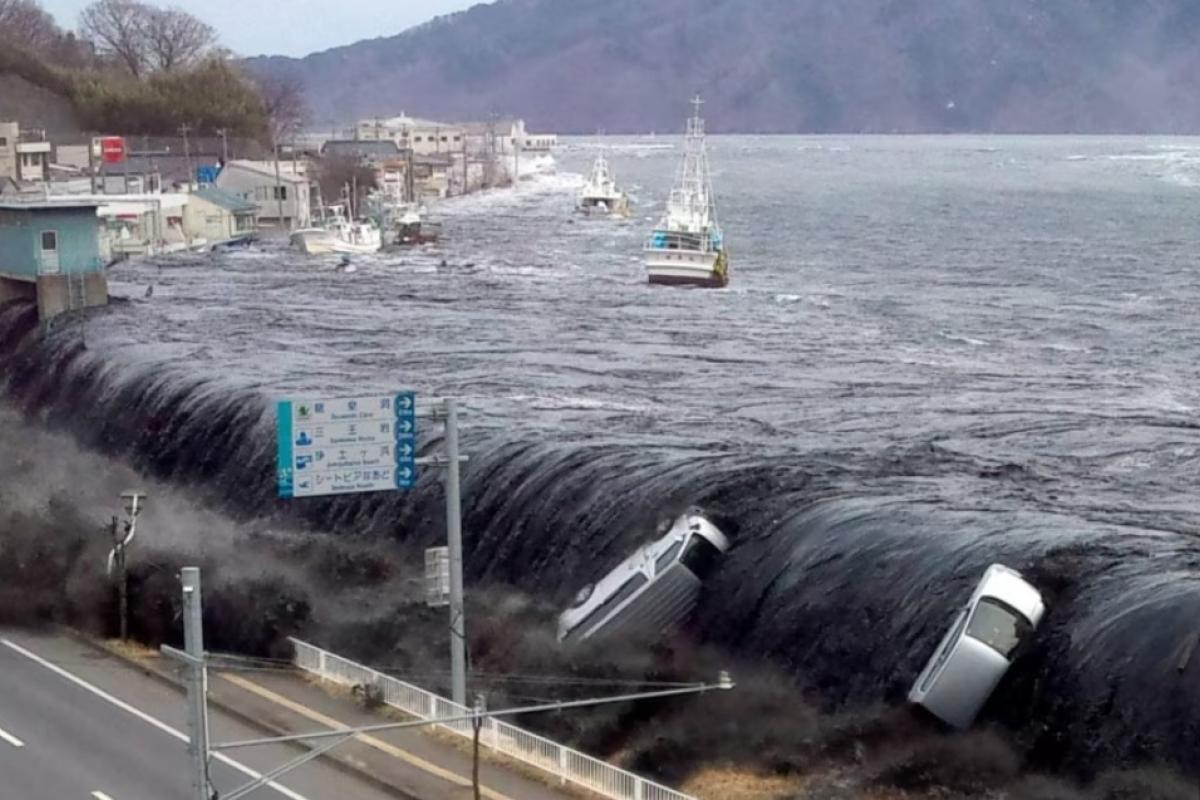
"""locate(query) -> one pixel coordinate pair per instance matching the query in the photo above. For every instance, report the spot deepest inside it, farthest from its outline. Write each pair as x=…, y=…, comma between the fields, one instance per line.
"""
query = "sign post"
x=361, y=444
x=369, y=444
x=112, y=149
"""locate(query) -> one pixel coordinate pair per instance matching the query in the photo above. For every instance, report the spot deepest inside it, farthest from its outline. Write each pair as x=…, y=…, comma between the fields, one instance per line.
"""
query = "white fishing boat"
x=337, y=234
x=687, y=247
x=600, y=195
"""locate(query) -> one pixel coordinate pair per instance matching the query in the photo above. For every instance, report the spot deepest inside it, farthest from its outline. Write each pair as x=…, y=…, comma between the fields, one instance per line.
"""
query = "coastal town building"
x=213, y=216
x=423, y=136
x=33, y=159
x=50, y=250
x=283, y=197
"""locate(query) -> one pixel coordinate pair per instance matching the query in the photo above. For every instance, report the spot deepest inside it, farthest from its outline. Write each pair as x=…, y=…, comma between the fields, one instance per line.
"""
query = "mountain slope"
x=780, y=65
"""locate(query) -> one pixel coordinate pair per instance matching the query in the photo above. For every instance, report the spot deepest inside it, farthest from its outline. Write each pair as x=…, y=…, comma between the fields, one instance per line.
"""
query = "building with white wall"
x=284, y=200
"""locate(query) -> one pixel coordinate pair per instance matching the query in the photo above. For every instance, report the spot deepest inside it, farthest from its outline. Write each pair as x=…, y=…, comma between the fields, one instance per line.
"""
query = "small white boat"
x=687, y=247
x=336, y=234
x=600, y=195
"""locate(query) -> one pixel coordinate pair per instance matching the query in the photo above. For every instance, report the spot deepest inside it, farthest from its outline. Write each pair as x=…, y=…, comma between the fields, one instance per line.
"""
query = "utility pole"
x=410, y=180
x=278, y=186
x=133, y=501
x=118, y=560
x=92, y=164
x=458, y=625
x=466, y=169
x=197, y=685
x=224, y=134
x=187, y=153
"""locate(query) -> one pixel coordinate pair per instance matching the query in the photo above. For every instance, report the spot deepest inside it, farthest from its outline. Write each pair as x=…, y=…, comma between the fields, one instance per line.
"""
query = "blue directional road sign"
x=348, y=445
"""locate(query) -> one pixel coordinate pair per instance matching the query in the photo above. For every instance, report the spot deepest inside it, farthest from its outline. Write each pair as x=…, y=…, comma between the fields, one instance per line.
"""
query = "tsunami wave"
x=845, y=570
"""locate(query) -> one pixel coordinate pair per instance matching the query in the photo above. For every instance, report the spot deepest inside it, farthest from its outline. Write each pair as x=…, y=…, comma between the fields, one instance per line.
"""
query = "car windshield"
x=998, y=626
x=701, y=556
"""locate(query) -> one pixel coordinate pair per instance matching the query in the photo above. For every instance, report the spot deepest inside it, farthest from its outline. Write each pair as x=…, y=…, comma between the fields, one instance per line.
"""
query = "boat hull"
x=687, y=268
x=322, y=242
x=603, y=207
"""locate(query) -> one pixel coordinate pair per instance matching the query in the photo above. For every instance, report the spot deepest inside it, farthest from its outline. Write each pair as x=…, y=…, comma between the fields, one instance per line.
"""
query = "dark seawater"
x=935, y=353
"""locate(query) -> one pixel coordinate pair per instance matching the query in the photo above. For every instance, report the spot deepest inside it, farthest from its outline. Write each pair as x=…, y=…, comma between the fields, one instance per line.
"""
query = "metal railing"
x=563, y=763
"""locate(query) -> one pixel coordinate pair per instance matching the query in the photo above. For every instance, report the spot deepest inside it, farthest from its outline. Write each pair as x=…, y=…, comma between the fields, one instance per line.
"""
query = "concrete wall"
x=57, y=294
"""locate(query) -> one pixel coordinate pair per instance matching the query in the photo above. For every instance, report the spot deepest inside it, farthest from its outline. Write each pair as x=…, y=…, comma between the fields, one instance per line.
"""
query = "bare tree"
x=174, y=38
x=118, y=28
x=25, y=22
x=283, y=102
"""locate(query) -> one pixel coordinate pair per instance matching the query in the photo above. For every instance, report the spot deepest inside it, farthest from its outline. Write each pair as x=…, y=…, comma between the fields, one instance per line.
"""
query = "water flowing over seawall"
x=846, y=566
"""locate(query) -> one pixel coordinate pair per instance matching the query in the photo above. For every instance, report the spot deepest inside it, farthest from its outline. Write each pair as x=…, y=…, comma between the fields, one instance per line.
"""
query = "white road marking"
x=8, y=737
x=100, y=795
x=144, y=717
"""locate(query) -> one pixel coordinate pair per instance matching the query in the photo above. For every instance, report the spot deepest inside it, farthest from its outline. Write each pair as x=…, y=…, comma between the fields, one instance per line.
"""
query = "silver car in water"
x=973, y=656
x=652, y=590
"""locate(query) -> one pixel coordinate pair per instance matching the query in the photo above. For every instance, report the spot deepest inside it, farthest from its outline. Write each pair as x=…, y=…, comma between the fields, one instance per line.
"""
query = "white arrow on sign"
x=404, y=472
x=405, y=449
x=404, y=402
x=404, y=426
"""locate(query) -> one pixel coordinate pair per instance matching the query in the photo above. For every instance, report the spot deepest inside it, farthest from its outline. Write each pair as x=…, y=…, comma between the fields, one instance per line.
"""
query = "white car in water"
x=973, y=656
x=653, y=589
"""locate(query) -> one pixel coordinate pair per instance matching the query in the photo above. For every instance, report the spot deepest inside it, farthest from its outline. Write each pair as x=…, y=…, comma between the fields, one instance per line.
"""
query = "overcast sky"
x=295, y=27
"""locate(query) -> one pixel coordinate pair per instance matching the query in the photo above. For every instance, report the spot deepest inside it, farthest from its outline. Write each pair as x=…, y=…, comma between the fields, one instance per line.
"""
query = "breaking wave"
x=846, y=566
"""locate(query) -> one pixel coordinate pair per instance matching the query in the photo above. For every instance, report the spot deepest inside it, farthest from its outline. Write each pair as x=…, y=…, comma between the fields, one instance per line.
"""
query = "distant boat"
x=337, y=234
x=687, y=247
x=411, y=229
x=600, y=195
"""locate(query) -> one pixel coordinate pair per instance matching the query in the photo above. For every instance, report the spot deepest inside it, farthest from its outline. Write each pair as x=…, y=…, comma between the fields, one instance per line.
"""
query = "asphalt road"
x=77, y=724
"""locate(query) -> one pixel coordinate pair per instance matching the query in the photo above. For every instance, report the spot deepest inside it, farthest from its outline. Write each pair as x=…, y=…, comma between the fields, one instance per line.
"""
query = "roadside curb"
x=344, y=764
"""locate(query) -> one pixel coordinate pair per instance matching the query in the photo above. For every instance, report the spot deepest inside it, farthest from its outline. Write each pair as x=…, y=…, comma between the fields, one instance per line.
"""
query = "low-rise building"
x=142, y=224
x=423, y=136
x=283, y=199
x=33, y=161
x=213, y=216
x=50, y=251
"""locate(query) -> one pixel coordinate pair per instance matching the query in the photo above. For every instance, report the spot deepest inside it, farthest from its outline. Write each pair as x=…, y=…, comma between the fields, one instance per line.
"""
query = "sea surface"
x=934, y=353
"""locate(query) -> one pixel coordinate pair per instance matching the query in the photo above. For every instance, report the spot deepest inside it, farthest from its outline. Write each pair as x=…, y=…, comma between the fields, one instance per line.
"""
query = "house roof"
x=225, y=200
x=267, y=169
x=361, y=148
x=10, y=203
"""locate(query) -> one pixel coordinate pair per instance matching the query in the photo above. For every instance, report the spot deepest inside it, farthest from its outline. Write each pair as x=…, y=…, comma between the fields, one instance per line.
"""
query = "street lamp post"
x=132, y=501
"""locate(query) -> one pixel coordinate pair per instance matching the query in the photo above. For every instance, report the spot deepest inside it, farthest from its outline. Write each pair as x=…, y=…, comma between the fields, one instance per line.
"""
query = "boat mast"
x=692, y=198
